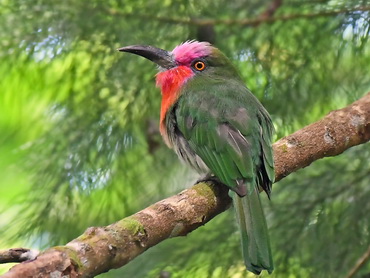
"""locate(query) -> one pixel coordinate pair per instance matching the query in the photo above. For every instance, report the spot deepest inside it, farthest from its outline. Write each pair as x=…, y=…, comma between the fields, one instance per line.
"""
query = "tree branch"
x=100, y=249
x=241, y=22
x=335, y=133
x=360, y=263
x=17, y=255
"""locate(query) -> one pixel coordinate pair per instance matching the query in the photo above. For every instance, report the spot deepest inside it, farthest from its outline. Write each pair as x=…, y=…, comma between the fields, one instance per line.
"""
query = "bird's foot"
x=209, y=177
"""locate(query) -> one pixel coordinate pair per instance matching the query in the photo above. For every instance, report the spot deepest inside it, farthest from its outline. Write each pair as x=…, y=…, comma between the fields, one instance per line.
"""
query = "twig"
x=240, y=22
x=271, y=9
x=17, y=255
x=361, y=261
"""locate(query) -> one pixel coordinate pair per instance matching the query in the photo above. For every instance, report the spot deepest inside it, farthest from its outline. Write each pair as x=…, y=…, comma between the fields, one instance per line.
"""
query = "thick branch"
x=102, y=248
x=335, y=133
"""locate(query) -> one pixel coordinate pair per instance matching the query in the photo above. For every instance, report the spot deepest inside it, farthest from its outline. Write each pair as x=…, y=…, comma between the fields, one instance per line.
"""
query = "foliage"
x=80, y=144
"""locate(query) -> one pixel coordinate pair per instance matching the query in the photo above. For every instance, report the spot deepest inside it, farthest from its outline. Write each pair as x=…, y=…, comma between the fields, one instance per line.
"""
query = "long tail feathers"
x=254, y=233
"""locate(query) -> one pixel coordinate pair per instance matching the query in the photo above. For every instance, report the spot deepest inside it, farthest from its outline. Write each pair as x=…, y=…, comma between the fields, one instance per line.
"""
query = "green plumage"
x=226, y=128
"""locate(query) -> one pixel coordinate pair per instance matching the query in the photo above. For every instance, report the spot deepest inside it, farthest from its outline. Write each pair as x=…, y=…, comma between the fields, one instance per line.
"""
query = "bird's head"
x=190, y=59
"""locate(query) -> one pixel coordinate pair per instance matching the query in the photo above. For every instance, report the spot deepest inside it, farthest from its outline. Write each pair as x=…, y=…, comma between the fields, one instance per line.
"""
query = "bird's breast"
x=176, y=141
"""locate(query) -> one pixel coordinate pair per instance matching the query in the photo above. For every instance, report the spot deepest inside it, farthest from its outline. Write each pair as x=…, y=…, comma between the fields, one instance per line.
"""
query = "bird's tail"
x=254, y=233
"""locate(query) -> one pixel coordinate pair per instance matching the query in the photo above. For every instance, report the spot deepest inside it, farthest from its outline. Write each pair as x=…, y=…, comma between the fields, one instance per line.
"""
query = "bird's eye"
x=199, y=65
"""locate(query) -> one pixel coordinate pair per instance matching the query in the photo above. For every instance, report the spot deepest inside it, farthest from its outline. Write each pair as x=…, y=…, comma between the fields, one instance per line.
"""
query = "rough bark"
x=332, y=135
x=100, y=249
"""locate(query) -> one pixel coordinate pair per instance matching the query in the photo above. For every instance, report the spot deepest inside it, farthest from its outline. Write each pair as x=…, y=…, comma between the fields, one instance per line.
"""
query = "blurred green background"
x=79, y=140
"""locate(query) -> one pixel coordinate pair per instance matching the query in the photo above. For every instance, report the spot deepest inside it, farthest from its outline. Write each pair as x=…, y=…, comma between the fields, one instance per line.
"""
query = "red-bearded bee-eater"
x=218, y=127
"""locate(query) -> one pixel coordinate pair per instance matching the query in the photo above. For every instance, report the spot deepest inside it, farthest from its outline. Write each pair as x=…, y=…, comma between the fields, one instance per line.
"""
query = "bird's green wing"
x=230, y=134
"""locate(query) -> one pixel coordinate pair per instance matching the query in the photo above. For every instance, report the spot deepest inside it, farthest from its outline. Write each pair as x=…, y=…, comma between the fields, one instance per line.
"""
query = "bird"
x=217, y=126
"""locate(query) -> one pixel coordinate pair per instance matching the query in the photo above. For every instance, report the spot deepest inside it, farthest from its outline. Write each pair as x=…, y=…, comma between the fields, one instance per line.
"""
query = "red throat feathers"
x=170, y=82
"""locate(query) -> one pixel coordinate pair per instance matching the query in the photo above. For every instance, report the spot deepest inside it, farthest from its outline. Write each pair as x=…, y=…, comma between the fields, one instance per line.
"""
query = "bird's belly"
x=186, y=154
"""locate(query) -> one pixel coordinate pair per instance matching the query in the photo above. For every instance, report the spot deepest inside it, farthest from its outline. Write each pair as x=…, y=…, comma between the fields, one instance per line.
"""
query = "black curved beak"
x=159, y=56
